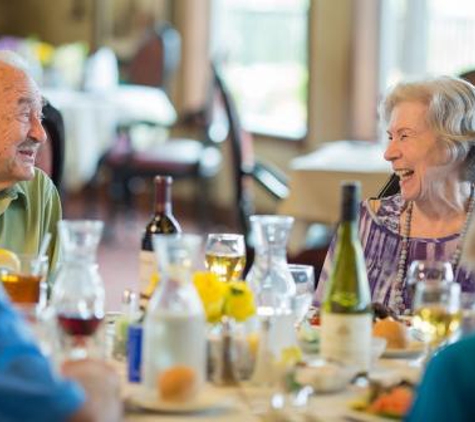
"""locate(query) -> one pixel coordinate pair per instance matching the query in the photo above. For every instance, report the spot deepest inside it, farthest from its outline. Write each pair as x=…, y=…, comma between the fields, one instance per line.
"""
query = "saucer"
x=414, y=349
x=205, y=401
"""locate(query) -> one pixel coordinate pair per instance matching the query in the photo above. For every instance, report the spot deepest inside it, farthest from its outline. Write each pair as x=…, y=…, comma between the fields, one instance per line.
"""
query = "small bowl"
x=324, y=376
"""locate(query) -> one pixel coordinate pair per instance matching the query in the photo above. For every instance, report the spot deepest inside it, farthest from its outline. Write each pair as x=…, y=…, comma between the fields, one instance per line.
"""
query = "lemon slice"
x=9, y=260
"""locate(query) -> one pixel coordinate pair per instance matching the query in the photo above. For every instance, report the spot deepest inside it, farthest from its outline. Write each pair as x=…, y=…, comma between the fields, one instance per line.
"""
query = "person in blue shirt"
x=446, y=390
x=30, y=390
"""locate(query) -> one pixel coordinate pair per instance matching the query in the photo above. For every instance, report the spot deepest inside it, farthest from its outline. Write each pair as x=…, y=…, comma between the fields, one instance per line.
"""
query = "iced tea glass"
x=27, y=287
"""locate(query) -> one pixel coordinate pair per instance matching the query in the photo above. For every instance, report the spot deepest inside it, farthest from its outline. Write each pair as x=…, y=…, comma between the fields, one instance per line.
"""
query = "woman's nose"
x=392, y=152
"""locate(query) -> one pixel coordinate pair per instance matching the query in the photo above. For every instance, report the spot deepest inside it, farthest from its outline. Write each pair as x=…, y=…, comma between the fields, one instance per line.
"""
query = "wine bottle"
x=162, y=222
x=346, y=315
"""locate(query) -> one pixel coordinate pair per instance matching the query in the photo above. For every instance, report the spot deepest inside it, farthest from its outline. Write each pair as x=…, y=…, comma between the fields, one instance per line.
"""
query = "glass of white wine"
x=225, y=255
x=437, y=311
x=427, y=271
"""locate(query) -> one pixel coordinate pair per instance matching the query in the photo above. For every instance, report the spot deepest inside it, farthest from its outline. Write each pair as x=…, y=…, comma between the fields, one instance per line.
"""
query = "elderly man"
x=29, y=207
x=29, y=202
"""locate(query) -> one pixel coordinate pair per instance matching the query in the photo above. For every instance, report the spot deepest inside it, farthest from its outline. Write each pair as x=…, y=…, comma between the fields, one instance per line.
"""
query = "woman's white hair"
x=450, y=114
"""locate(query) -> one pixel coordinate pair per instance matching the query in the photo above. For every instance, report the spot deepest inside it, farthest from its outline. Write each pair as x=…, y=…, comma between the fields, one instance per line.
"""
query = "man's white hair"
x=10, y=58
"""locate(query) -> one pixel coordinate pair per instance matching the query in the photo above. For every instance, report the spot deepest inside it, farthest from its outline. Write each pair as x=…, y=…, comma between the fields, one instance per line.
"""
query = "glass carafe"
x=269, y=277
x=174, y=345
x=274, y=290
x=78, y=297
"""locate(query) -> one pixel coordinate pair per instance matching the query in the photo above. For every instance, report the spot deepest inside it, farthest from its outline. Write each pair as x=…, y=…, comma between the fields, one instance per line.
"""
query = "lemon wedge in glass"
x=9, y=260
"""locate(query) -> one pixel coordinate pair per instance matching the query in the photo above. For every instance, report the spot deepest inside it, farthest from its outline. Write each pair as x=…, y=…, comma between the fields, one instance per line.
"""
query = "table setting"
x=237, y=361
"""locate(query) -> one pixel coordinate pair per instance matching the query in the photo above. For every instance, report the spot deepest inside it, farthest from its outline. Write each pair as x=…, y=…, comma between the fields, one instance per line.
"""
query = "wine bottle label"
x=147, y=267
x=347, y=338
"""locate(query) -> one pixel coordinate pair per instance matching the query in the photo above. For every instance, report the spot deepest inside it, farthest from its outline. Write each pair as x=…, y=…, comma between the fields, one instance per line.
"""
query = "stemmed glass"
x=426, y=270
x=78, y=297
x=304, y=278
x=225, y=255
x=437, y=306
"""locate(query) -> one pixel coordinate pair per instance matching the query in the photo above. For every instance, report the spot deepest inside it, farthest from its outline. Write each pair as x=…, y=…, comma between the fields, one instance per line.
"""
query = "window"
x=263, y=45
x=426, y=37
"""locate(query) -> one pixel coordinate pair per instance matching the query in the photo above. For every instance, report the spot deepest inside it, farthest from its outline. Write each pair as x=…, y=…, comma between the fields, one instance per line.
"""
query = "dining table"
x=315, y=179
x=245, y=402
x=92, y=118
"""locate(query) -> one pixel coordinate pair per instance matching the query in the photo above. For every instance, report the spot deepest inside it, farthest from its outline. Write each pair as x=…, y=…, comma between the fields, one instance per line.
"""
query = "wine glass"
x=426, y=270
x=78, y=297
x=438, y=312
x=225, y=255
x=304, y=278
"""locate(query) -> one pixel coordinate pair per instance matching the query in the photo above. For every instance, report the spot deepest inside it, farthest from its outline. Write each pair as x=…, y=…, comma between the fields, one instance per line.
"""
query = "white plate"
x=414, y=349
x=207, y=400
x=360, y=416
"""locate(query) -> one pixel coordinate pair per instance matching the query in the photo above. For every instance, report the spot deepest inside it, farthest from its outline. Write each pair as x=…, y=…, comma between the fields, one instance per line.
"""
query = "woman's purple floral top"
x=381, y=241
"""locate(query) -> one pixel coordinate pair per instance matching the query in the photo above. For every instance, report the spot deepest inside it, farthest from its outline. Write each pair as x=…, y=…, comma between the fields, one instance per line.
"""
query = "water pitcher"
x=269, y=277
x=175, y=328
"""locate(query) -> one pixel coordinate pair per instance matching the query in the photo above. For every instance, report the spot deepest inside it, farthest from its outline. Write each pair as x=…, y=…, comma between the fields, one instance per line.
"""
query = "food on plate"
x=312, y=316
x=315, y=319
x=178, y=384
x=393, y=402
x=381, y=311
x=393, y=331
x=308, y=336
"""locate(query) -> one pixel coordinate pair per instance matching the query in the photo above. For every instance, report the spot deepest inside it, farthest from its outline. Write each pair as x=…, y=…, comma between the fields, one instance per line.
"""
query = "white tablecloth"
x=91, y=119
x=315, y=178
x=250, y=403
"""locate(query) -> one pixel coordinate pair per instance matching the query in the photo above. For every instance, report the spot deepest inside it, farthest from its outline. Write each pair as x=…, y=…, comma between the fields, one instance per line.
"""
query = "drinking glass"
x=437, y=311
x=427, y=271
x=468, y=313
x=27, y=286
x=225, y=255
x=304, y=278
x=78, y=296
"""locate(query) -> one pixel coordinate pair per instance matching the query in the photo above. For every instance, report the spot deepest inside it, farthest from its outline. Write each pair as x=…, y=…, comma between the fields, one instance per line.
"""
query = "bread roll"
x=394, y=332
x=178, y=384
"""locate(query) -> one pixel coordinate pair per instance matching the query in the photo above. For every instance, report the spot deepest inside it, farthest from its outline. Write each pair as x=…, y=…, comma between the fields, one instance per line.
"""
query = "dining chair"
x=390, y=187
x=469, y=76
x=196, y=159
x=246, y=167
x=50, y=157
x=156, y=59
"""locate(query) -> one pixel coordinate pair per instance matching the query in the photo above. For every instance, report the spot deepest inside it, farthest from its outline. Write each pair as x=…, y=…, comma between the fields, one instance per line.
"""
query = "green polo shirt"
x=29, y=210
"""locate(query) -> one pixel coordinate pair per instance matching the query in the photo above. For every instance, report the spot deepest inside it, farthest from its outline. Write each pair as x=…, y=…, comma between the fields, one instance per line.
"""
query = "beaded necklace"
x=398, y=300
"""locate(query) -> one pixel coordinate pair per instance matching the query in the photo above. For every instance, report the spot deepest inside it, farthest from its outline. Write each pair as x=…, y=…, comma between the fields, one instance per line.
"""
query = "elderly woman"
x=431, y=132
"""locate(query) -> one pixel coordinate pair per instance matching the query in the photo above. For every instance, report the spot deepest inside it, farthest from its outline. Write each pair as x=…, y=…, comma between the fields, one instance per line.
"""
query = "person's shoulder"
x=457, y=351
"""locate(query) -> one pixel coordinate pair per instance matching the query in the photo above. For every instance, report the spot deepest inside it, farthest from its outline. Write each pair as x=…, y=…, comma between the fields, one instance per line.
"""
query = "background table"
x=315, y=178
x=91, y=120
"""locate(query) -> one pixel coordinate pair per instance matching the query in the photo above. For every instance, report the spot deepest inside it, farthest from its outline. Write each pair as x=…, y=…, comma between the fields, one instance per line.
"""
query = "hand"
x=102, y=387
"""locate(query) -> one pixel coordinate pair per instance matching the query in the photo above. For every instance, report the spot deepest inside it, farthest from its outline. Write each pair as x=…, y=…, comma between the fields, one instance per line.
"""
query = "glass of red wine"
x=78, y=293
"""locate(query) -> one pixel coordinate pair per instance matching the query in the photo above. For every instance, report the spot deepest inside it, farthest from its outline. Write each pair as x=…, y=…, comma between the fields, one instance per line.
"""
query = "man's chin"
x=24, y=174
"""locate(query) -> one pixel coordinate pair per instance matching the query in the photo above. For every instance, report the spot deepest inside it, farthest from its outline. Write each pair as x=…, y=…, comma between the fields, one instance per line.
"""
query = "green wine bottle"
x=346, y=315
